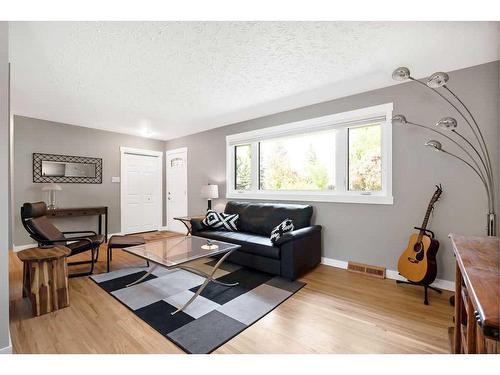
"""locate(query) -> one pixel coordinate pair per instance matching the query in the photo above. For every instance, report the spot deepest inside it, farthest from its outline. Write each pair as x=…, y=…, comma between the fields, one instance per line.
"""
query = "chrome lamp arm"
x=483, y=168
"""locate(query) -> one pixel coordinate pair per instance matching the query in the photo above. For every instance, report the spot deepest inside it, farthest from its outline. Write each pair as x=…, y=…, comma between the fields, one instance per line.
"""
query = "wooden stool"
x=45, y=278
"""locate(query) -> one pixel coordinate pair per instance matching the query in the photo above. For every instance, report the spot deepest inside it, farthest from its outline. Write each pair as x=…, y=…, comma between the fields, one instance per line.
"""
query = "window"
x=177, y=163
x=300, y=162
x=365, y=157
x=345, y=157
x=243, y=165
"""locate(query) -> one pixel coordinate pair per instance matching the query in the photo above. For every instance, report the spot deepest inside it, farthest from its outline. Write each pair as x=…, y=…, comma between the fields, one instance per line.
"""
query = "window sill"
x=311, y=197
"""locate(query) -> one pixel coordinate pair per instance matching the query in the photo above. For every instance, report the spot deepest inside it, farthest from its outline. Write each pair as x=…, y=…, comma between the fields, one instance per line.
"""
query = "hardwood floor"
x=337, y=312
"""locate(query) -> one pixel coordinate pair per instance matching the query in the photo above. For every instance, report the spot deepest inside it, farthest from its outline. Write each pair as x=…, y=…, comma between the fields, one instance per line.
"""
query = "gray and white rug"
x=216, y=316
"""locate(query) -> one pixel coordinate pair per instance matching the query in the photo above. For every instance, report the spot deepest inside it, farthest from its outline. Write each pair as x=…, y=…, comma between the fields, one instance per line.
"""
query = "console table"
x=477, y=294
x=84, y=211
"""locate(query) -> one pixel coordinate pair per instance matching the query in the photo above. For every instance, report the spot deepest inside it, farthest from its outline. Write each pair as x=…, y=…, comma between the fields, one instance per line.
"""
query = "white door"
x=141, y=190
x=176, y=188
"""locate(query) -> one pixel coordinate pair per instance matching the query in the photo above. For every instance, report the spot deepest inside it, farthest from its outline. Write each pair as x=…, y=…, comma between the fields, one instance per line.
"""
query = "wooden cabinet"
x=477, y=294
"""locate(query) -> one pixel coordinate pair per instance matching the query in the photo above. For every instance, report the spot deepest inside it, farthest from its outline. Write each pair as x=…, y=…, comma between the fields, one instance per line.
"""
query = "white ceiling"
x=169, y=79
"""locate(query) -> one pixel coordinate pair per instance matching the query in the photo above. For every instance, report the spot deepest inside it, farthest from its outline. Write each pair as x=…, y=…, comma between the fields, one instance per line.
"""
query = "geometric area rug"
x=216, y=316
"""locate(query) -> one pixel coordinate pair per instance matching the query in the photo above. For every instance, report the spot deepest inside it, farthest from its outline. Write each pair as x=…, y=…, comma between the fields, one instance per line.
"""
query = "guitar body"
x=418, y=261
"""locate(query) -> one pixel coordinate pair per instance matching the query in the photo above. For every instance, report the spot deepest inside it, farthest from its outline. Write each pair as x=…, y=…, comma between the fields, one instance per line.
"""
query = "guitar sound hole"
x=418, y=247
x=419, y=256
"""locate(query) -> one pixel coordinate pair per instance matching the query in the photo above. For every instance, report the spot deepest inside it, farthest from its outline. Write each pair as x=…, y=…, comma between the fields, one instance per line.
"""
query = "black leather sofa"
x=294, y=254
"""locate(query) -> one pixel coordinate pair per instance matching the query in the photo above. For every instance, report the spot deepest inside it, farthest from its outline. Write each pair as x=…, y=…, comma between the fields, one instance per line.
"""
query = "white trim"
x=379, y=113
x=7, y=349
x=382, y=111
x=16, y=248
x=390, y=274
x=137, y=151
x=179, y=150
x=176, y=150
x=140, y=151
x=334, y=263
x=311, y=197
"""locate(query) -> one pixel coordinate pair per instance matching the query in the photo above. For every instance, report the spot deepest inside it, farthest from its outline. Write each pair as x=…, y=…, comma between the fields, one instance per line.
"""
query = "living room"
x=250, y=187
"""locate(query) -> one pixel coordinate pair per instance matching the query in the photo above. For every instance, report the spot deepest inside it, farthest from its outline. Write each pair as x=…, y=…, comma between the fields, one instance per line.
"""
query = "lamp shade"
x=400, y=119
x=210, y=191
x=447, y=123
x=50, y=187
x=437, y=80
x=434, y=144
x=401, y=74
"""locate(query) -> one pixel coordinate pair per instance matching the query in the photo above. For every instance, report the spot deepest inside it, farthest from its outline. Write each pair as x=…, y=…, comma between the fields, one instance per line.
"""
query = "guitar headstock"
x=437, y=194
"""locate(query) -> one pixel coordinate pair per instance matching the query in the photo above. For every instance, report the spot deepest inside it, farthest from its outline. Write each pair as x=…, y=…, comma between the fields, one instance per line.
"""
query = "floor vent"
x=374, y=271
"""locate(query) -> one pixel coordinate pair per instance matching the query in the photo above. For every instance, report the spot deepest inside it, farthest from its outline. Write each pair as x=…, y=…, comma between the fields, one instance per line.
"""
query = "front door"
x=141, y=186
x=176, y=188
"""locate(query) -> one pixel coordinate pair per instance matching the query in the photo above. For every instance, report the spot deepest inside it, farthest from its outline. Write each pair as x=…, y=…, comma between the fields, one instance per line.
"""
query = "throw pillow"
x=285, y=226
x=221, y=221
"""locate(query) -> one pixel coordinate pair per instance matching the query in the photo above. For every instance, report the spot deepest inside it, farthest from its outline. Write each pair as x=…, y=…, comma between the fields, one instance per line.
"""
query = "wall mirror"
x=49, y=168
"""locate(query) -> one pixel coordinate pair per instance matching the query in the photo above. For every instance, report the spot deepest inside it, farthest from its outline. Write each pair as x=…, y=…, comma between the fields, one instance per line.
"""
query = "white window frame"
x=341, y=122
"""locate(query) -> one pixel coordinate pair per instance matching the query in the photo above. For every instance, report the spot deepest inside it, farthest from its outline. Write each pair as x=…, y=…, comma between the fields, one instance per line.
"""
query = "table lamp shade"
x=210, y=191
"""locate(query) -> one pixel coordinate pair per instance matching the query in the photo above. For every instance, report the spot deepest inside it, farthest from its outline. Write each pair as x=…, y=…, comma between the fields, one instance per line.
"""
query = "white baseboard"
x=17, y=248
x=334, y=263
x=390, y=274
x=7, y=349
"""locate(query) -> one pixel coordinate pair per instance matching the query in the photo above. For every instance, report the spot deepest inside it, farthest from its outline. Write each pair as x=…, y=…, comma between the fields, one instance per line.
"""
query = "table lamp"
x=210, y=192
x=52, y=188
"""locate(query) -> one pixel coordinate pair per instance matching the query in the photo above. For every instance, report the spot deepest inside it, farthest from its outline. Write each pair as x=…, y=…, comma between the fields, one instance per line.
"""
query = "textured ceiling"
x=169, y=79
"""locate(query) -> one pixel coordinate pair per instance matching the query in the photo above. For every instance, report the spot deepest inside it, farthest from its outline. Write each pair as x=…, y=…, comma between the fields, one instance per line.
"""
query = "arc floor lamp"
x=474, y=149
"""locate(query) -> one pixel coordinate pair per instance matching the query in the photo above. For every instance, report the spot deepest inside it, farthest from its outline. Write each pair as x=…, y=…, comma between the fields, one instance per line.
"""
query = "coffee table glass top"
x=174, y=251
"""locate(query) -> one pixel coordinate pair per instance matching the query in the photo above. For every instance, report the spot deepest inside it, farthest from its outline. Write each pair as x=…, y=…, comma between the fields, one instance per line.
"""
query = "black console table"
x=84, y=211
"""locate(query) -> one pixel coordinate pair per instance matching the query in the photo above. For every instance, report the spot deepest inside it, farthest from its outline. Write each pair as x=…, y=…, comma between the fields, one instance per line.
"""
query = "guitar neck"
x=425, y=222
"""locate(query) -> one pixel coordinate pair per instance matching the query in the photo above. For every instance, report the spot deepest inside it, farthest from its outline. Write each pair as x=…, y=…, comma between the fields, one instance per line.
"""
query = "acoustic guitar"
x=418, y=261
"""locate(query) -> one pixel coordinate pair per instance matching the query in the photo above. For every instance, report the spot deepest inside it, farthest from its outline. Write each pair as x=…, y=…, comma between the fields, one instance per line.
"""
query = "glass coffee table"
x=175, y=252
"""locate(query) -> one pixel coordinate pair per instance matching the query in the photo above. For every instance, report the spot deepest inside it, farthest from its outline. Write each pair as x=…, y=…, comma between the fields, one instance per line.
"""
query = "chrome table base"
x=208, y=278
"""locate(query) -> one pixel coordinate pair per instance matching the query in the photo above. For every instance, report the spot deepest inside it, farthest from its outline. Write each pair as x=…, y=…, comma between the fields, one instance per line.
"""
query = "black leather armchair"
x=294, y=254
x=40, y=229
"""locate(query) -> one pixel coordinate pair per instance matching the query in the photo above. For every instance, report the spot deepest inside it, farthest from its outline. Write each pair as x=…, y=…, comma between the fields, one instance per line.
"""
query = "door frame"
x=138, y=151
x=167, y=153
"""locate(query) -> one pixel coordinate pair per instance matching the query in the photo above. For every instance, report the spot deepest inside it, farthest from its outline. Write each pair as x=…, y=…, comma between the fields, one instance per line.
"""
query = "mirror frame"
x=38, y=178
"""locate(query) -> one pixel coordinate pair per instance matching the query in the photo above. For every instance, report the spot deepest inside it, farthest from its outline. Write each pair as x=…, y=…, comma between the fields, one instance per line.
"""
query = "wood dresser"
x=477, y=294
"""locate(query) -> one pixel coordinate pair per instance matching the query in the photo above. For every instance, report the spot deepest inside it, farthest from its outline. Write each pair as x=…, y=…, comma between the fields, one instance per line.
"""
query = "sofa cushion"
x=262, y=218
x=250, y=243
x=281, y=229
x=220, y=221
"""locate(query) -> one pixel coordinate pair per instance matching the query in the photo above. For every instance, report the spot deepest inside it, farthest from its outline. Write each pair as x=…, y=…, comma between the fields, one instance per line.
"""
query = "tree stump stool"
x=45, y=278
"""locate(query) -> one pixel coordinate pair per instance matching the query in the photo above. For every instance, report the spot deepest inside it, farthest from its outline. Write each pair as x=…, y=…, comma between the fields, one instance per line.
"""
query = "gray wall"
x=4, y=186
x=33, y=135
x=377, y=234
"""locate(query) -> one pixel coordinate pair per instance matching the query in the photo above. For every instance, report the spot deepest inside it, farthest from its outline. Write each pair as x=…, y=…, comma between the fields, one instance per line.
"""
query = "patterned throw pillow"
x=221, y=221
x=285, y=226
